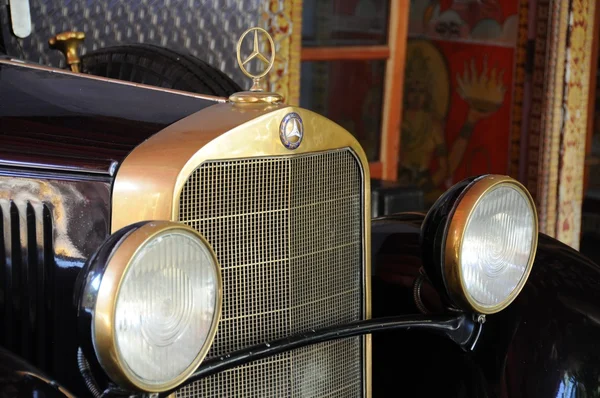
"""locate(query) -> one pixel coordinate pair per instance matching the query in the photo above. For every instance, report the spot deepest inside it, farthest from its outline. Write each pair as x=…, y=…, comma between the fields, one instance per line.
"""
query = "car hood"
x=54, y=119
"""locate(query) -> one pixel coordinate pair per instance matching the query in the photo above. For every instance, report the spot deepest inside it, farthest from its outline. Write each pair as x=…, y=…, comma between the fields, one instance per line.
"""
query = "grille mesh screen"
x=288, y=234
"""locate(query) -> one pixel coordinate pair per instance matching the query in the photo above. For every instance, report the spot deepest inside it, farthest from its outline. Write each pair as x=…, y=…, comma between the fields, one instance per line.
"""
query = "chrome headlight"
x=480, y=240
x=154, y=292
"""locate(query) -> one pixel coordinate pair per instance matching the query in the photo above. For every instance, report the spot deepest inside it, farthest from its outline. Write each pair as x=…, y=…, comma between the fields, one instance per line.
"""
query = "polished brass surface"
x=256, y=53
x=253, y=97
x=464, y=209
x=68, y=43
x=154, y=173
x=288, y=233
x=104, y=315
x=256, y=94
x=153, y=179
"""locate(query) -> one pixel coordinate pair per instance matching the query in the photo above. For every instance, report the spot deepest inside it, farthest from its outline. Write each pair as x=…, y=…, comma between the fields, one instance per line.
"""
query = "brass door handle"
x=68, y=43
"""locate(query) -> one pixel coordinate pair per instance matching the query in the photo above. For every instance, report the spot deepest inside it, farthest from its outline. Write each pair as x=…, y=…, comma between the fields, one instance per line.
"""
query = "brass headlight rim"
x=104, y=337
x=459, y=219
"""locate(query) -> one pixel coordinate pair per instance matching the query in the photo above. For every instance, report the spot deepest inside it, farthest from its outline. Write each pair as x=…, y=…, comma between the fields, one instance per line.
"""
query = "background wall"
x=458, y=91
x=207, y=29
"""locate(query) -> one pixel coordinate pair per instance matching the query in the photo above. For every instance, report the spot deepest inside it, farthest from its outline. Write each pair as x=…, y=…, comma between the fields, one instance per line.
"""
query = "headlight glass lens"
x=165, y=306
x=497, y=245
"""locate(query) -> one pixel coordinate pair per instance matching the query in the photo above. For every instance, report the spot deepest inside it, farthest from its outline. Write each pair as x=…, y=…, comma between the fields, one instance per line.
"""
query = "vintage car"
x=158, y=242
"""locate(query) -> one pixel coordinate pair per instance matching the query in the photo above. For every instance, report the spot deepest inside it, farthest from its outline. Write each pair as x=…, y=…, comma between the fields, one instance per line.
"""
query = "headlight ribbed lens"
x=157, y=306
x=479, y=242
x=497, y=244
x=165, y=306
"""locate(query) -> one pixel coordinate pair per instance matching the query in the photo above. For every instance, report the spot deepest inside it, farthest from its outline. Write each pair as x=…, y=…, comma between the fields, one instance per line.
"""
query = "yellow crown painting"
x=485, y=91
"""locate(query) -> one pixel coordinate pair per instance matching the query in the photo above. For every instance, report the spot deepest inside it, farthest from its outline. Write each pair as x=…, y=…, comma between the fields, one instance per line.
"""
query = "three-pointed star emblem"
x=291, y=130
x=295, y=129
x=256, y=52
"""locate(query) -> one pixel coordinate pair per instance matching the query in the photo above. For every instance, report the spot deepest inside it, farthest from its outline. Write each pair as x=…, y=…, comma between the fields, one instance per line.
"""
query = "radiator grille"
x=288, y=234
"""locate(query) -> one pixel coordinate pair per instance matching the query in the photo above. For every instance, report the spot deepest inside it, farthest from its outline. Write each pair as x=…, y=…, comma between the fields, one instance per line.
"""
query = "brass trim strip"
x=53, y=167
x=15, y=62
x=455, y=234
x=368, y=366
x=103, y=321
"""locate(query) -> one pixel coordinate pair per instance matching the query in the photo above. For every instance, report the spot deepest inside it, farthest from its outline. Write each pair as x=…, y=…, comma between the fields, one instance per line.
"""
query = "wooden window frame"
x=393, y=53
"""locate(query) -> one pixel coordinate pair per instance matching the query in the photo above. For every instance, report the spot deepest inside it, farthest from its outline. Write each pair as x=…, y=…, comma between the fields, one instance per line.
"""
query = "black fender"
x=19, y=379
x=545, y=344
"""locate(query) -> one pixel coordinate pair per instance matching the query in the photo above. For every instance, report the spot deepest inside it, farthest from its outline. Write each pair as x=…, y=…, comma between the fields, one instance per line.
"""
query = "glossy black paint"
x=543, y=345
x=85, y=295
x=54, y=120
x=19, y=379
x=434, y=231
x=49, y=225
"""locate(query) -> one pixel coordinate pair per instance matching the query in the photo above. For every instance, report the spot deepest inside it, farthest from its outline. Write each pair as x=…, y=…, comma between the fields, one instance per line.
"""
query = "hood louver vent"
x=26, y=280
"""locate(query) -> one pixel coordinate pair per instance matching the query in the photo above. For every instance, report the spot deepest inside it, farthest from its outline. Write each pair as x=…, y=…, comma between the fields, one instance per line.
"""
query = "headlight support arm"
x=461, y=328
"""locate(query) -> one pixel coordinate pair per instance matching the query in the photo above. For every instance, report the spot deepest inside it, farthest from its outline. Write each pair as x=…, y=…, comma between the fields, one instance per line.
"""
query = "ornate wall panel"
x=516, y=135
x=558, y=119
x=573, y=140
x=546, y=118
x=283, y=19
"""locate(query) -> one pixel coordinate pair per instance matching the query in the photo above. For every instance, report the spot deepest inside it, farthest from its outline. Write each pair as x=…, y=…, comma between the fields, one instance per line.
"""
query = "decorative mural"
x=535, y=132
x=457, y=92
x=469, y=20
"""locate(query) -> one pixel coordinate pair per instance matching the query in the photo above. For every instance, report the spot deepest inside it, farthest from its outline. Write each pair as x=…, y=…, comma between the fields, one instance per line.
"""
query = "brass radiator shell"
x=151, y=184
